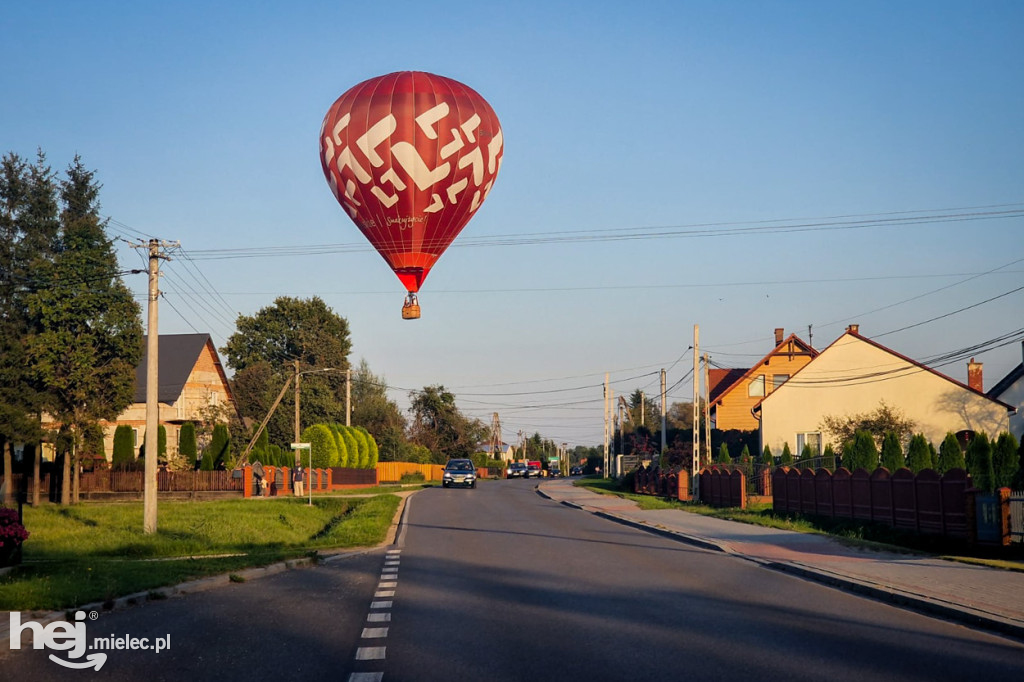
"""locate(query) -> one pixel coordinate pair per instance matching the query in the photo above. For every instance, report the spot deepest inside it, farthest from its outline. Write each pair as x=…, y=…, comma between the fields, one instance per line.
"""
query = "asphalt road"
x=498, y=583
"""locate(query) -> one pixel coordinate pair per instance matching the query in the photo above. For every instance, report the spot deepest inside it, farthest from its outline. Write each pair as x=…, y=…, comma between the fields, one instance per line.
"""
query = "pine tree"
x=892, y=452
x=951, y=455
x=919, y=456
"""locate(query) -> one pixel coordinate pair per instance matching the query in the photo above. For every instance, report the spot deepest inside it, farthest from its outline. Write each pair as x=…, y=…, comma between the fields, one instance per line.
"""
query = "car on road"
x=533, y=470
x=461, y=472
x=516, y=470
x=576, y=471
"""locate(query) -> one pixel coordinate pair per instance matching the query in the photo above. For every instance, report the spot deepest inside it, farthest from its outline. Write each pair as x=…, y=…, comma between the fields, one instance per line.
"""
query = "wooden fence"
x=656, y=481
x=392, y=472
x=925, y=502
x=723, y=487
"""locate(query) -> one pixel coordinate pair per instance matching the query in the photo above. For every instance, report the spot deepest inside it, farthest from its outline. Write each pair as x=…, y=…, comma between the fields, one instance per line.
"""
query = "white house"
x=1010, y=390
x=852, y=376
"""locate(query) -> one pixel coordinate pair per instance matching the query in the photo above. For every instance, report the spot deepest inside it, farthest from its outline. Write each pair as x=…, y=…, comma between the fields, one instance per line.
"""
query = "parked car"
x=516, y=470
x=459, y=472
x=533, y=470
x=554, y=472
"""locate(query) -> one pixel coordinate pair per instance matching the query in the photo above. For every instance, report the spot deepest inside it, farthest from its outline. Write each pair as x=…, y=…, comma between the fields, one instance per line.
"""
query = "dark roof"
x=178, y=354
x=1007, y=381
x=720, y=380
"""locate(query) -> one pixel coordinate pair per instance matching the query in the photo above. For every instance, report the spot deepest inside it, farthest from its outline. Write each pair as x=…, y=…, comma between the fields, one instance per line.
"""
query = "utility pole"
x=605, y=471
x=707, y=407
x=298, y=378
x=664, y=418
x=348, y=397
x=611, y=415
x=149, y=487
x=696, y=409
x=643, y=407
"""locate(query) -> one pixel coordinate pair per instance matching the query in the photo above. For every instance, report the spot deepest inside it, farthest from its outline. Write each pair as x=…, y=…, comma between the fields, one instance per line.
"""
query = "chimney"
x=853, y=329
x=974, y=379
x=779, y=331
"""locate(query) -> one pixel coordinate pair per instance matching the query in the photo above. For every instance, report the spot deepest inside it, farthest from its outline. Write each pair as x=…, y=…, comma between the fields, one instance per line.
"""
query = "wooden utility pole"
x=298, y=378
x=348, y=397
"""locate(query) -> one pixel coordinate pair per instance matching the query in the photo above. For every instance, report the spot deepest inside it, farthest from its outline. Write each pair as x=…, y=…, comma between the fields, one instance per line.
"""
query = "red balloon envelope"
x=411, y=156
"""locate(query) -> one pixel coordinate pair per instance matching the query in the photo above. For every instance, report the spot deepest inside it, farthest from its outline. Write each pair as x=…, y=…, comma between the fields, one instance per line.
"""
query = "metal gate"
x=1017, y=516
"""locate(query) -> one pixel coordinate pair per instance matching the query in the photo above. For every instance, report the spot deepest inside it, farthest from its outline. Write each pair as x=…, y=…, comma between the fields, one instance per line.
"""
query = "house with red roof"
x=853, y=376
x=733, y=393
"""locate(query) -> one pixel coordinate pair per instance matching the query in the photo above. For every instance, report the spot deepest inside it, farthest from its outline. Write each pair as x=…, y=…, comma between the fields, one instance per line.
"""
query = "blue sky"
x=202, y=119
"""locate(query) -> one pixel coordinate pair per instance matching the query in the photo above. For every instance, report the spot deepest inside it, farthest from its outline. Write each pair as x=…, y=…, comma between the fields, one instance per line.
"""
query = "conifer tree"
x=979, y=462
x=787, y=456
x=1004, y=459
x=951, y=455
x=919, y=456
x=187, y=442
x=892, y=452
x=767, y=459
x=723, y=455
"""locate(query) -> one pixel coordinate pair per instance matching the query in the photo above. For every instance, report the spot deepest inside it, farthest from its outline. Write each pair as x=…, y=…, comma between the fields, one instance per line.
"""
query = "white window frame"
x=752, y=390
x=801, y=439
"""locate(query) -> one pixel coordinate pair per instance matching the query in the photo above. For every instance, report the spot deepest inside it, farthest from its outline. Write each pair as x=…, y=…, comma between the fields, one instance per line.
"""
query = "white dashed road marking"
x=380, y=613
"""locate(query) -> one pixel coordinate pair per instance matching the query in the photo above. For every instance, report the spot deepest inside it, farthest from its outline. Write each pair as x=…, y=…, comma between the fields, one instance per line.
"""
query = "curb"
x=908, y=600
x=210, y=582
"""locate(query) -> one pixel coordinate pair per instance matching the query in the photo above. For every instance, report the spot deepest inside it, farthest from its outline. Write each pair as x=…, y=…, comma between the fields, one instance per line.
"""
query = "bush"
x=861, y=453
x=220, y=447
x=351, y=446
x=979, y=463
x=364, y=447
x=828, y=458
x=723, y=455
x=124, y=447
x=373, y=451
x=187, y=442
x=951, y=455
x=324, y=449
x=767, y=458
x=787, y=456
x=1004, y=459
x=414, y=477
x=892, y=451
x=919, y=454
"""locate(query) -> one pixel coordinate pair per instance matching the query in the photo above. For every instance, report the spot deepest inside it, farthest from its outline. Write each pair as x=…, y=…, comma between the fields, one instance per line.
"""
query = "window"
x=755, y=389
x=135, y=438
x=813, y=439
x=778, y=380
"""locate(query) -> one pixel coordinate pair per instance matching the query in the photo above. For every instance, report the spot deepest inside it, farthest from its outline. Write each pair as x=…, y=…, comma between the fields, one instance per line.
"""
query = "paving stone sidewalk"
x=979, y=596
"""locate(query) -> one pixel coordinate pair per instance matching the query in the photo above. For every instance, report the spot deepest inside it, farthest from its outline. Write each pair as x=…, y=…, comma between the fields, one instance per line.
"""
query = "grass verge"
x=872, y=536
x=98, y=552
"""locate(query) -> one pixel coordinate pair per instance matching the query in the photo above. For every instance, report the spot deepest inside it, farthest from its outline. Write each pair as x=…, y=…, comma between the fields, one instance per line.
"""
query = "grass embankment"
x=854, y=533
x=98, y=552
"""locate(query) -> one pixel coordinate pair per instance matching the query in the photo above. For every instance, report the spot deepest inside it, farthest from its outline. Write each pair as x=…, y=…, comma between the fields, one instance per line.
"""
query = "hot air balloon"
x=410, y=156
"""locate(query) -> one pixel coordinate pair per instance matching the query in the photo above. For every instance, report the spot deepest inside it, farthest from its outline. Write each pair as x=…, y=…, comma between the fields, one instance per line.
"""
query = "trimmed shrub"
x=919, y=454
x=951, y=455
x=187, y=442
x=806, y=455
x=364, y=448
x=979, y=463
x=723, y=455
x=828, y=458
x=324, y=449
x=220, y=447
x=351, y=446
x=766, y=457
x=861, y=453
x=161, y=442
x=787, y=456
x=1004, y=459
x=373, y=451
x=892, y=452
x=124, y=447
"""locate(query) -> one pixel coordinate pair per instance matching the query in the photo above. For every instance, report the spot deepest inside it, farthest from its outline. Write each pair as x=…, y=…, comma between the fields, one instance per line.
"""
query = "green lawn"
x=97, y=552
